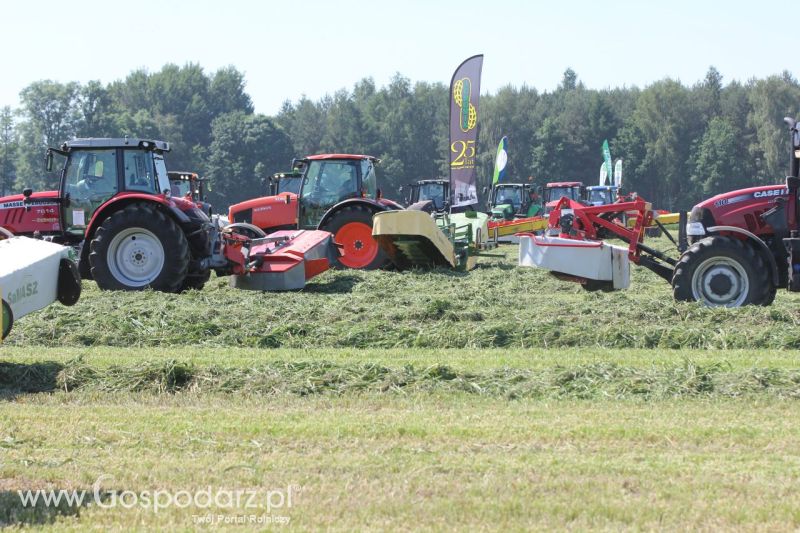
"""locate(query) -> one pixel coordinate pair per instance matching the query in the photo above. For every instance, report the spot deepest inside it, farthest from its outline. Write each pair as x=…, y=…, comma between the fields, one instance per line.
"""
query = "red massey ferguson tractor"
x=115, y=207
x=339, y=194
x=736, y=249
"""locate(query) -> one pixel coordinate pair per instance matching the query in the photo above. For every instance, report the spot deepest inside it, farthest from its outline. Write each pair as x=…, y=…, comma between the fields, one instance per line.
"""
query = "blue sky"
x=287, y=49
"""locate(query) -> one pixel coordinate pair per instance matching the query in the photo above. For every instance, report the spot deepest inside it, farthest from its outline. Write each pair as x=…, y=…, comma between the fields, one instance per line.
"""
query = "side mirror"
x=27, y=192
x=48, y=161
x=288, y=199
x=400, y=190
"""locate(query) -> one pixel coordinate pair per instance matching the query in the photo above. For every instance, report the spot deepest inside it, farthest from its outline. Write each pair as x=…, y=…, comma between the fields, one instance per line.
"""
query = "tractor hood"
x=43, y=216
x=266, y=212
x=742, y=208
x=16, y=199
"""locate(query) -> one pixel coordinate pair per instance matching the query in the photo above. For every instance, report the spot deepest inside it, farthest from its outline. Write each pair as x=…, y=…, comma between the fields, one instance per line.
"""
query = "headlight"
x=695, y=229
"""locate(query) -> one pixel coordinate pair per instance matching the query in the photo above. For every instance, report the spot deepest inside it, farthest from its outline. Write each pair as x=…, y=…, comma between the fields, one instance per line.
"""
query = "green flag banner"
x=607, y=158
x=500, y=161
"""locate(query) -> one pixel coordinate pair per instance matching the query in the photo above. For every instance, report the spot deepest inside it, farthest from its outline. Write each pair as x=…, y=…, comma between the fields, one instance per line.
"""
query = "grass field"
x=496, y=399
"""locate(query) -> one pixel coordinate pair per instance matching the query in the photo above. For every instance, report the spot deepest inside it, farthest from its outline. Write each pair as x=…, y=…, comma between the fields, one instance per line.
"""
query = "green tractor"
x=283, y=182
x=514, y=200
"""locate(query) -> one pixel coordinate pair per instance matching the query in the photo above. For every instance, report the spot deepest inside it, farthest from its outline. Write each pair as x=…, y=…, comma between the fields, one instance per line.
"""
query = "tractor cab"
x=190, y=186
x=513, y=200
x=554, y=191
x=95, y=172
x=331, y=179
x=283, y=182
x=435, y=191
x=602, y=194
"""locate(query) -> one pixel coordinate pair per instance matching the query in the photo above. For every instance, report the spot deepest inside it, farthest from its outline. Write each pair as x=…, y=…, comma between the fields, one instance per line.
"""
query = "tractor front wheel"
x=352, y=228
x=722, y=272
x=139, y=247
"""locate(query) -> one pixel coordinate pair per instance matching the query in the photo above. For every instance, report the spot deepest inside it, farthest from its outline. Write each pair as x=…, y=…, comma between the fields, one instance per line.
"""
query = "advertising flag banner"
x=465, y=90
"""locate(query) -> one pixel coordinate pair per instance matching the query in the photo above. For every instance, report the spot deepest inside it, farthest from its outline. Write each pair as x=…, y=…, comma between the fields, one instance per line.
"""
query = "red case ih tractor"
x=115, y=207
x=339, y=194
x=736, y=249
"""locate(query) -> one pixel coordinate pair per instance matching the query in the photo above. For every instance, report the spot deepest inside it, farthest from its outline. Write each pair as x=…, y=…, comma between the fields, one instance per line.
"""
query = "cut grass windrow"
x=303, y=378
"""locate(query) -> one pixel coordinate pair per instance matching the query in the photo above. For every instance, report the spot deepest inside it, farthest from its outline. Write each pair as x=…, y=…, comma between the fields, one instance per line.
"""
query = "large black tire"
x=159, y=260
x=195, y=281
x=593, y=285
x=722, y=272
x=347, y=228
x=7, y=319
x=69, y=282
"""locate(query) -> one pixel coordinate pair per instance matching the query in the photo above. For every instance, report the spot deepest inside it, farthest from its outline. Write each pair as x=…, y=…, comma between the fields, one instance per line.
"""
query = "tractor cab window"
x=433, y=192
x=600, y=196
x=90, y=180
x=162, y=177
x=139, y=172
x=556, y=193
x=326, y=183
x=369, y=183
x=330, y=182
x=509, y=195
x=288, y=184
x=180, y=188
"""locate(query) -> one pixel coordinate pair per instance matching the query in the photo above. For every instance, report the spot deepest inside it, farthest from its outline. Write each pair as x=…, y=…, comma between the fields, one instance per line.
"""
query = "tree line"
x=679, y=143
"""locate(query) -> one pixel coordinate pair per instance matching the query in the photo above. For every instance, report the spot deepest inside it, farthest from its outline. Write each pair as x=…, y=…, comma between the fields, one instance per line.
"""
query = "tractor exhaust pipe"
x=792, y=243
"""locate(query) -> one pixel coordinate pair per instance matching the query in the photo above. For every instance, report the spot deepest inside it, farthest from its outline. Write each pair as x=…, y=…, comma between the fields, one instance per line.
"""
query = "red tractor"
x=737, y=248
x=114, y=206
x=339, y=194
x=554, y=191
x=190, y=186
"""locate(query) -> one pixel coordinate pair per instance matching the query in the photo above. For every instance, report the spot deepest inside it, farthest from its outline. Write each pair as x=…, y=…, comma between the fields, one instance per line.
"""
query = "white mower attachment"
x=34, y=274
x=584, y=260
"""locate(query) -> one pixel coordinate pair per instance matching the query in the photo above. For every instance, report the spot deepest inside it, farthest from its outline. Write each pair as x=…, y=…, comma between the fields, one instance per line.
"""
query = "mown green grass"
x=496, y=305
x=499, y=399
x=433, y=462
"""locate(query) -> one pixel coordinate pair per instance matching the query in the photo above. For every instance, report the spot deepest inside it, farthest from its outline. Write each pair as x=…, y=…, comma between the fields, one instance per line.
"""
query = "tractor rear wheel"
x=722, y=272
x=139, y=247
x=7, y=319
x=352, y=228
